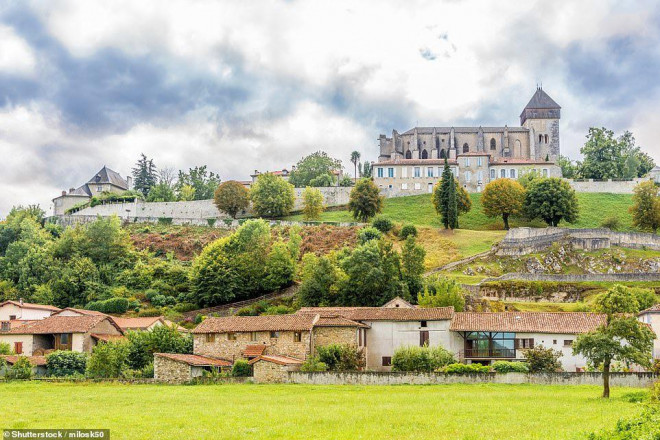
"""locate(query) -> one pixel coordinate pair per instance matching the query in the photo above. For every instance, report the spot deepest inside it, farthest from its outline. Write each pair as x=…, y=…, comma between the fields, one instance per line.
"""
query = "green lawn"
x=307, y=412
x=594, y=207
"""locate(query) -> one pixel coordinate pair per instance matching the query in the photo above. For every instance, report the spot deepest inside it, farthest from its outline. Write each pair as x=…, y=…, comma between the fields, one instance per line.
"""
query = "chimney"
x=129, y=182
x=63, y=193
x=71, y=190
x=20, y=301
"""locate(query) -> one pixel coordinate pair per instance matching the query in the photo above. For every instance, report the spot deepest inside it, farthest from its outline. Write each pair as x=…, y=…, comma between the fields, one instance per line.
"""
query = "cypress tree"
x=452, y=205
x=445, y=188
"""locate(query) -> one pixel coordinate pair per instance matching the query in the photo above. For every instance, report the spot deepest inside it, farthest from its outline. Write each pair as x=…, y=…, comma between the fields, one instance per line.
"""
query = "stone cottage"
x=181, y=368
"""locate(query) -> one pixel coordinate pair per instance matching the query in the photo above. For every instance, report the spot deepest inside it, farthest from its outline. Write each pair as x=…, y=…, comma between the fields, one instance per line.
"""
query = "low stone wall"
x=638, y=380
x=605, y=186
x=567, y=278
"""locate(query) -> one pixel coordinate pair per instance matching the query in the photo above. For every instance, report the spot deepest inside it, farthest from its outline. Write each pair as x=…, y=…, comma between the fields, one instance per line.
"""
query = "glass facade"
x=490, y=345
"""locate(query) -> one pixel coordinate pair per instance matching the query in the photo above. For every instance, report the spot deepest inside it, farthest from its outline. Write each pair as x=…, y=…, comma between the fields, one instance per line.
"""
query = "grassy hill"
x=418, y=210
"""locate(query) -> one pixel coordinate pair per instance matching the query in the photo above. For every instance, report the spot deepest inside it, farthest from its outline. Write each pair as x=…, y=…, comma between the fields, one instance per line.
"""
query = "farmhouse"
x=651, y=316
x=22, y=311
x=176, y=368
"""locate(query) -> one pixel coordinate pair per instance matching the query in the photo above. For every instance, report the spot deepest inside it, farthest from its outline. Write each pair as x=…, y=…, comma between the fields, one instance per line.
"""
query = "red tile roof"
x=142, y=323
x=337, y=321
x=38, y=361
x=107, y=338
x=654, y=309
x=527, y=322
x=382, y=314
x=256, y=323
x=277, y=359
x=31, y=305
x=195, y=360
x=80, y=311
x=63, y=324
x=254, y=350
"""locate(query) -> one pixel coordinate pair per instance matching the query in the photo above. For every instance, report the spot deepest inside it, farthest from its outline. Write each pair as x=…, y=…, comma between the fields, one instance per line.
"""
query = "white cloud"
x=16, y=56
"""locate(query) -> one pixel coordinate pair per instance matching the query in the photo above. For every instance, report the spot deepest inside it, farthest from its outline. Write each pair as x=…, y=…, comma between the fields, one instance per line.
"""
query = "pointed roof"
x=106, y=175
x=541, y=100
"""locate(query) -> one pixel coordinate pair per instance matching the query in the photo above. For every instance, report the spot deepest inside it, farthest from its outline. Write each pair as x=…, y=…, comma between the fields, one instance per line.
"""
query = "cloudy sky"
x=244, y=85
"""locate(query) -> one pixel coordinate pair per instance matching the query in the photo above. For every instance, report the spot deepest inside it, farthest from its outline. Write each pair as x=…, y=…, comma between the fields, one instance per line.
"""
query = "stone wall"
x=605, y=186
x=568, y=278
x=638, y=380
x=335, y=335
x=270, y=372
x=232, y=349
x=170, y=371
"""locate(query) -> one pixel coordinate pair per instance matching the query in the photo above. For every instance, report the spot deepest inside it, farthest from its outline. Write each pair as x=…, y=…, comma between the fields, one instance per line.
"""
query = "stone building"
x=182, y=368
x=413, y=161
x=106, y=180
x=651, y=316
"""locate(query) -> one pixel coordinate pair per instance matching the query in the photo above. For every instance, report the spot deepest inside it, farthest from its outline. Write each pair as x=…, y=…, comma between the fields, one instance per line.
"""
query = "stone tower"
x=541, y=116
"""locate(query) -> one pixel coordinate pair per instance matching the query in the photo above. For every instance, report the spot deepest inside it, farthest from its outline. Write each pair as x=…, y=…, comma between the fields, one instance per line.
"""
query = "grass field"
x=304, y=412
x=594, y=207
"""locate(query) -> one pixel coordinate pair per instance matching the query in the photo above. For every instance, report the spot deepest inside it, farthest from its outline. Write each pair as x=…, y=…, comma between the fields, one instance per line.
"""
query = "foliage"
x=108, y=360
x=421, y=359
x=365, y=200
x=5, y=348
x=280, y=267
x=241, y=368
x=569, y=170
x=440, y=196
x=341, y=357
x=231, y=197
x=161, y=339
x=198, y=181
x=408, y=230
x=441, y=292
x=314, y=166
x=612, y=223
x=21, y=370
x=162, y=192
x=646, y=207
x=366, y=170
x=346, y=181
x=312, y=203
x=412, y=265
x=503, y=197
x=369, y=233
x=655, y=369
x=66, y=363
x=644, y=426
x=383, y=224
x=465, y=369
x=551, y=199
x=112, y=305
x=607, y=157
x=313, y=364
x=322, y=181
x=542, y=360
x=355, y=159
x=319, y=281
x=145, y=175
x=510, y=367
x=272, y=196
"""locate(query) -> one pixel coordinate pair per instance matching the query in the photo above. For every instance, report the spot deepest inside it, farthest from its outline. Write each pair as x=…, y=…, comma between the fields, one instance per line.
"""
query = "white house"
x=22, y=311
x=651, y=317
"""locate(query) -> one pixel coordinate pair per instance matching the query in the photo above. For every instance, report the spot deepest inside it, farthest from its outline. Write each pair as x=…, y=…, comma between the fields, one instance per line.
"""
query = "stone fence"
x=568, y=278
x=638, y=380
x=614, y=186
x=522, y=241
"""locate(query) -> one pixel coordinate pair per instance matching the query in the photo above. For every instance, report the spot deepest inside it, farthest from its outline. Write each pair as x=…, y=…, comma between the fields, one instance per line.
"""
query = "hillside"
x=418, y=210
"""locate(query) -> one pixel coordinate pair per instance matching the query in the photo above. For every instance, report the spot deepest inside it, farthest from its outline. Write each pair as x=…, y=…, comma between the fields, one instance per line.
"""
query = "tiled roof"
x=254, y=350
x=107, y=338
x=26, y=305
x=15, y=323
x=541, y=100
x=416, y=162
x=446, y=130
x=519, y=161
x=527, y=322
x=256, y=323
x=195, y=360
x=38, y=361
x=337, y=321
x=382, y=313
x=62, y=324
x=142, y=323
x=654, y=309
x=398, y=299
x=277, y=359
x=80, y=311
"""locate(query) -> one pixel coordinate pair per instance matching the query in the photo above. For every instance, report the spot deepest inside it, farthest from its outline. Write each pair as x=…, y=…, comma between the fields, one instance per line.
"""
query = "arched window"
x=408, y=155
x=540, y=138
x=466, y=148
x=546, y=138
x=425, y=155
x=443, y=154
x=493, y=144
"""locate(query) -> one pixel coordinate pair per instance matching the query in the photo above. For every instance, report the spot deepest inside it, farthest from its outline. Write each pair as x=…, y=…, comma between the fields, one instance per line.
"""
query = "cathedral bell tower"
x=541, y=116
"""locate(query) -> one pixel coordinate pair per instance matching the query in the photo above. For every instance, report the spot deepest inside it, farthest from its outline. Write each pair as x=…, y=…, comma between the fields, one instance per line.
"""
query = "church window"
x=390, y=172
x=466, y=148
x=546, y=138
x=425, y=154
x=408, y=155
x=512, y=173
x=443, y=154
x=502, y=172
x=507, y=152
x=492, y=173
x=380, y=172
x=493, y=144
x=418, y=172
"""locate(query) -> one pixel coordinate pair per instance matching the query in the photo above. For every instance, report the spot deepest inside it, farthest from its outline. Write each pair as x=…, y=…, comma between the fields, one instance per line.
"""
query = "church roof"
x=541, y=100
x=447, y=130
x=106, y=175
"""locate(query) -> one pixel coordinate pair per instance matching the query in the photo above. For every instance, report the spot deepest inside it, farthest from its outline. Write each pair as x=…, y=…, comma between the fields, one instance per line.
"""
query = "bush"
x=313, y=364
x=408, y=230
x=612, y=222
x=66, y=363
x=341, y=357
x=644, y=426
x=421, y=359
x=465, y=369
x=5, y=348
x=278, y=310
x=241, y=368
x=162, y=301
x=655, y=368
x=543, y=360
x=383, y=224
x=21, y=370
x=149, y=312
x=162, y=339
x=510, y=367
x=367, y=234
x=108, y=360
x=112, y=305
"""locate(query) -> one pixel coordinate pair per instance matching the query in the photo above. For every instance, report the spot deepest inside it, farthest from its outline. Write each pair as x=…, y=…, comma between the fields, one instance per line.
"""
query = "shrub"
x=278, y=310
x=383, y=224
x=112, y=305
x=272, y=196
x=241, y=368
x=341, y=357
x=542, y=360
x=367, y=234
x=510, y=367
x=465, y=369
x=165, y=221
x=655, y=368
x=644, y=426
x=312, y=204
x=421, y=359
x=108, y=360
x=162, y=339
x=313, y=364
x=149, y=312
x=162, y=301
x=408, y=230
x=21, y=370
x=66, y=363
x=612, y=222
x=5, y=348
x=441, y=292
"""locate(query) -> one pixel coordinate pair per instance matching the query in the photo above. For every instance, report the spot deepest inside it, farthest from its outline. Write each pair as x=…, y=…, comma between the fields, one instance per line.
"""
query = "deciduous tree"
x=312, y=203
x=272, y=196
x=503, y=197
x=551, y=199
x=365, y=200
x=646, y=206
x=314, y=166
x=231, y=197
x=441, y=292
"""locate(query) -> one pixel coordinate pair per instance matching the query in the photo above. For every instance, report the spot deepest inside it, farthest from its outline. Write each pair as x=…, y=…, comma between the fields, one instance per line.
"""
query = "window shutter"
x=531, y=343
x=516, y=344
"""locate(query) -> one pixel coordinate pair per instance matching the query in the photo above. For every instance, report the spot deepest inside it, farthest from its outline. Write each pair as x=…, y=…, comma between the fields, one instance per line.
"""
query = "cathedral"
x=412, y=161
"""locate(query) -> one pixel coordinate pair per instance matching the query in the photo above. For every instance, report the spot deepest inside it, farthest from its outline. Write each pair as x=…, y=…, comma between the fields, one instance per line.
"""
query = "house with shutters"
x=651, y=316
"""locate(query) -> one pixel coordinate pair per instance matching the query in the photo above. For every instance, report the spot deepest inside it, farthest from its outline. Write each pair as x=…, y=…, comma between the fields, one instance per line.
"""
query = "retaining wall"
x=605, y=186
x=378, y=378
x=641, y=276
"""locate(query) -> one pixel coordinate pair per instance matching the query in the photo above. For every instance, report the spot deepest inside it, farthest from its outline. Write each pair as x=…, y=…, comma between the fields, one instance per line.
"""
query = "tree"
x=366, y=169
x=202, y=181
x=355, y=158
x=318, y=281
x=312, y=167
x=646, y=206
x=452, y=206
x=551, y=199
x=145, y=175
x=365, y=200
x=542, y=360
x=503, y=197
x=621, y=338
x=280, y=267
x=108, y=360
x=162, y=192
x=161, y=339
x=312, y=203
x=568, y=169
x=272, y=196
x=450, y=202
x=186, y=193
x=603, y=155
x=231, y=197
x=412, y=265
x=441, y=292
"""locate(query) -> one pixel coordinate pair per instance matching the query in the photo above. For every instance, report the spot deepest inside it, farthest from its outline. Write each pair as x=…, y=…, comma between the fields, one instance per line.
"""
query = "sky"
x=245, y=85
